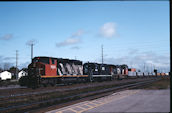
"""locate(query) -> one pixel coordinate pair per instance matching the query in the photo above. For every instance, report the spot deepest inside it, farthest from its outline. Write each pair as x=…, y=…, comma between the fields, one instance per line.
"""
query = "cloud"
x=24, y=65
x=6, y=37
x=133, y=51
x=8, y=58
x=108, y=30
x=6, y=65
x=69, y=41
x=75, y=47
x=3, y=58
x=72, y=40
x=149, y=59
x=78, y=33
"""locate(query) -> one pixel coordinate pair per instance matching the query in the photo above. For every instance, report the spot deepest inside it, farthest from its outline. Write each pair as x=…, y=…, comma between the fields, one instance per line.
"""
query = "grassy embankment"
x=164, y=83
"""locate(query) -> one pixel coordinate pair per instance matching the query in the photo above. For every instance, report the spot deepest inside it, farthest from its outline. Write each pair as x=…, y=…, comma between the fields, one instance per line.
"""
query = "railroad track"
x=47, y=91
x=26, y=106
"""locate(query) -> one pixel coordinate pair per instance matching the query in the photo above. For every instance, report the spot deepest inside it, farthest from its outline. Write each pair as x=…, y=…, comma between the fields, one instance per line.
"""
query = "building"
x=5, y=75
x=21, y=73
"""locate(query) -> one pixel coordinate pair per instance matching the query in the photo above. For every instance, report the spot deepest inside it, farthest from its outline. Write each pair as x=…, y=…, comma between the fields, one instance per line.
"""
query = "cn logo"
x=53, y=67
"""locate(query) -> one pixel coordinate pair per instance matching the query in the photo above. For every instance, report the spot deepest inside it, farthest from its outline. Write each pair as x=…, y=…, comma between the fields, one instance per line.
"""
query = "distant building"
x=5, y=75
x=21, y=73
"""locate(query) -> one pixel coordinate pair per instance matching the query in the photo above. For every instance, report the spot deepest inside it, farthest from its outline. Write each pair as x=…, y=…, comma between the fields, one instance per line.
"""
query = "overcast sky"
x=133, y=33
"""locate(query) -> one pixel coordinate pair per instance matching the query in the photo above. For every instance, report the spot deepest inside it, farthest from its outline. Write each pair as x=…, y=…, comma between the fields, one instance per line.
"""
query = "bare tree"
x=6, y=66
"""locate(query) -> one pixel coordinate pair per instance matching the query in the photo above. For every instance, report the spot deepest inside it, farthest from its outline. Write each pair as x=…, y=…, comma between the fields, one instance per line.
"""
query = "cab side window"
x=53, y=62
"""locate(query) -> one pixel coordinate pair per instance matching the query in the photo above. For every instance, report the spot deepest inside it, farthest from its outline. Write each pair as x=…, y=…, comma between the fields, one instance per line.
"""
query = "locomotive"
x=50, y=70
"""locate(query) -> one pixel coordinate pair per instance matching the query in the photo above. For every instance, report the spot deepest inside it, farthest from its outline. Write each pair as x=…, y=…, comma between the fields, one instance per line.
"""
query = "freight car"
x=97, y=72
x=49, y=70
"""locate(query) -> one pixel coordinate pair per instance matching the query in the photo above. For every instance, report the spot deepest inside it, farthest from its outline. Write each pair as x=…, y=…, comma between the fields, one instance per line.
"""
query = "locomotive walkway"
x=124, y=101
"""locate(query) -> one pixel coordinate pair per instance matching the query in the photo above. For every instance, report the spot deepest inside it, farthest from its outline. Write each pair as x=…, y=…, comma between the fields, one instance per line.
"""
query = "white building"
x=5, y=75
x=21, y=73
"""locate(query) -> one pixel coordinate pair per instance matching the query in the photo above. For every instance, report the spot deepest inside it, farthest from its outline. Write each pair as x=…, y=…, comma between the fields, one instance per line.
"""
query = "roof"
x=64, y=59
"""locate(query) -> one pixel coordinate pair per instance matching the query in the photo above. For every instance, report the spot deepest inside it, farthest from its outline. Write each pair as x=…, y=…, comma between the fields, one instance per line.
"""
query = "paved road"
x=124, y=101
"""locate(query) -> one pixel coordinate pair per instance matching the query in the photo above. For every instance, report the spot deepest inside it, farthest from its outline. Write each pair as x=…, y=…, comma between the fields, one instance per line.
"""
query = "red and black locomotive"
x=49, y=70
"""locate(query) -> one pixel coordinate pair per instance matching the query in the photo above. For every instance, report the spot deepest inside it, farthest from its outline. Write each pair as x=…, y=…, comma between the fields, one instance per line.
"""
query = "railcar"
x=121, y=71
x=50, y=70
x=97, y=72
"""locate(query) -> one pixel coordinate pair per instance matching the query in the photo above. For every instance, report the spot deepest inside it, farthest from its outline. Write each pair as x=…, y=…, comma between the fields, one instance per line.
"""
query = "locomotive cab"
x=44, y=66
x=39, y=68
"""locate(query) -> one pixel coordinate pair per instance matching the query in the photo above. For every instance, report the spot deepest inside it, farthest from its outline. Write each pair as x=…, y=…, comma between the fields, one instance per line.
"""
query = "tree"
x=13, y=72
x=6, y=66
x=1, y=69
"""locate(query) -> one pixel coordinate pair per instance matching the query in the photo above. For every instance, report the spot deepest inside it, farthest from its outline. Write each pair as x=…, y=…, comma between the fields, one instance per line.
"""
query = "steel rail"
x=47, y=91
x=86, y=94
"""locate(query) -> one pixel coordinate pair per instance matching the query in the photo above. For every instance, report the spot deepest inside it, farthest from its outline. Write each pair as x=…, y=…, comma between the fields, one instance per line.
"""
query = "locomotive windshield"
x=39, y=59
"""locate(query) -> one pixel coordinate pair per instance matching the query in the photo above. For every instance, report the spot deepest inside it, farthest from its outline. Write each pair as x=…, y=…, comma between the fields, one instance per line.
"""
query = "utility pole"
x=31, y=51
x=144, y=67
x=170, y=65
x=102, y=54
x=151, y=67
x=16, y=64
x=31, y=43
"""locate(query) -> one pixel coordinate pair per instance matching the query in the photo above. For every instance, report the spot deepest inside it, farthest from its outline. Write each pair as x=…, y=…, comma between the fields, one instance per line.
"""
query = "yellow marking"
x=73, y=110
x=80, y=107
x=59, y=112
x=98, y=102
x=105, y=101
x=92, y=103
x=88, y=105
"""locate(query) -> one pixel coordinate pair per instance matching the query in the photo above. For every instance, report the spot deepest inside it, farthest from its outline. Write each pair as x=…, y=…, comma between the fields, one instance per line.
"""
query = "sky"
x=135, y=33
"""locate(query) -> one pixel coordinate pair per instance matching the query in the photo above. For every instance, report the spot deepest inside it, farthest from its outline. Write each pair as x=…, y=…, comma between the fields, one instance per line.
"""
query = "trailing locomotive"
x=49, y=70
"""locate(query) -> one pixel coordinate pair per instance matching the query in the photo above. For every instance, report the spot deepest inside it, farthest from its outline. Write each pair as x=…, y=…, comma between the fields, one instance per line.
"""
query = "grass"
x=164, y=83
x=8, y=82
x=53, y=95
